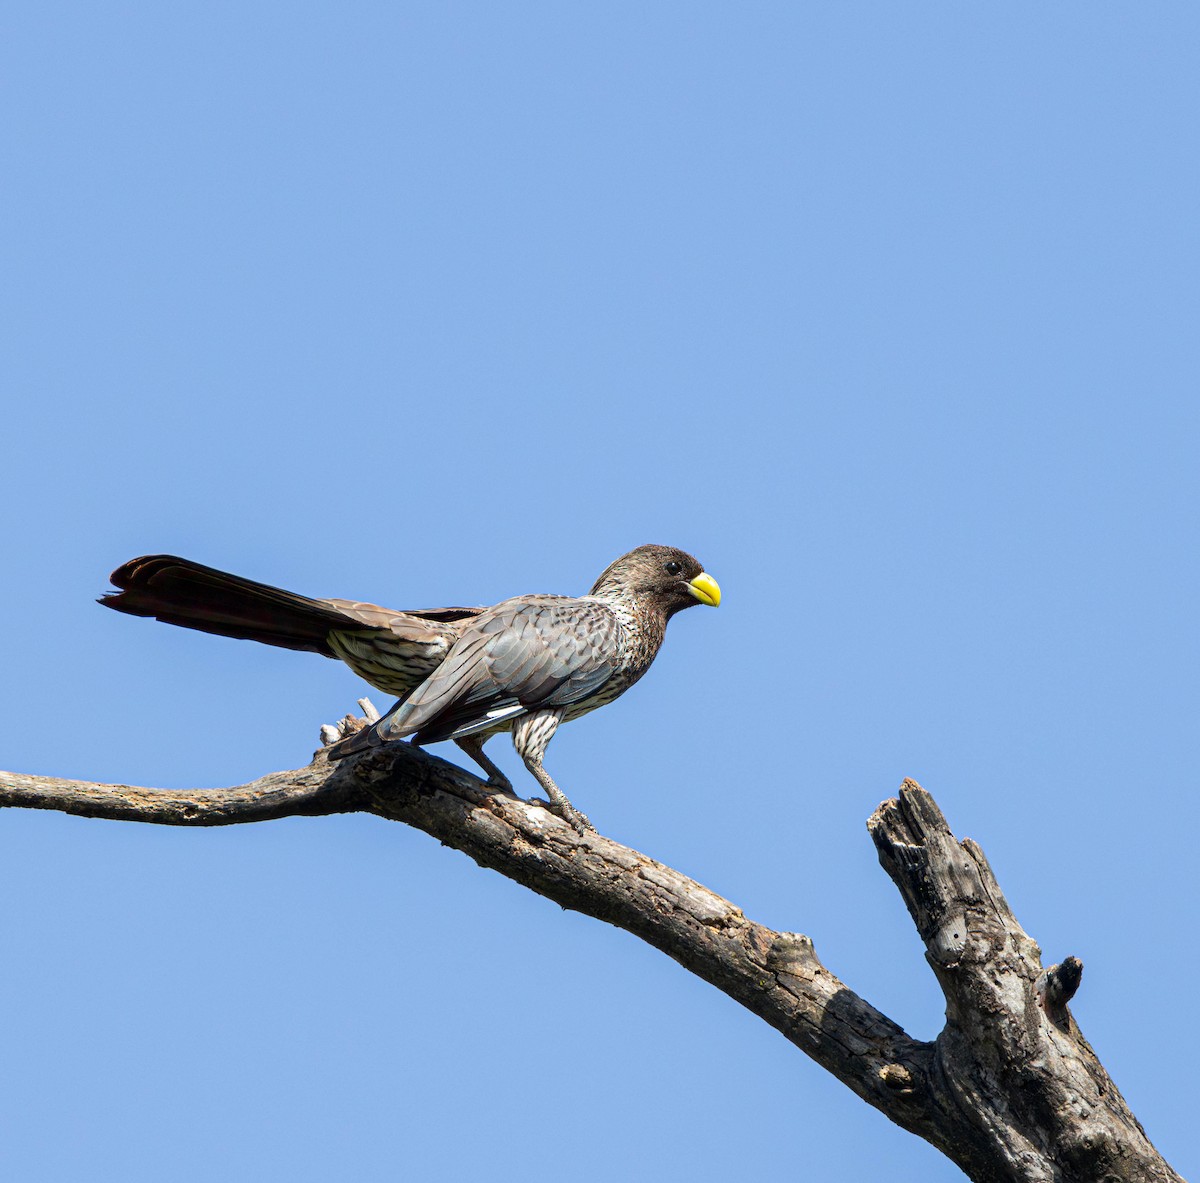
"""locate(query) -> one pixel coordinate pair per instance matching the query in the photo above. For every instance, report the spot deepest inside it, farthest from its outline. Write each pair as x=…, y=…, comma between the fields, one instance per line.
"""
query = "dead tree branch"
x=1010, y=1090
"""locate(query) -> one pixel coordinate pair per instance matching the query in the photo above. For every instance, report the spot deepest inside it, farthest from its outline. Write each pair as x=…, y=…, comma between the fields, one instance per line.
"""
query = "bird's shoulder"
x=547, y=613
x=558, y=636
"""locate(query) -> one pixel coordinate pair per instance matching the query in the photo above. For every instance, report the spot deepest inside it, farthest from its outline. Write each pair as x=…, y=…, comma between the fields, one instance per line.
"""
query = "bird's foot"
x=332, y=733
x=559, y=803
x=576, y=820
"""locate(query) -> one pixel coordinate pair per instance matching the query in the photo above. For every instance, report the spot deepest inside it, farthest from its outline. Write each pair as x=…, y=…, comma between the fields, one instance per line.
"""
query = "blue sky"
x=887, y=312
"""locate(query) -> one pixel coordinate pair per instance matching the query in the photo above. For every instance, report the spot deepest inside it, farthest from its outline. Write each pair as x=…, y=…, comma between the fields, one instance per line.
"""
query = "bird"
x=524, y=665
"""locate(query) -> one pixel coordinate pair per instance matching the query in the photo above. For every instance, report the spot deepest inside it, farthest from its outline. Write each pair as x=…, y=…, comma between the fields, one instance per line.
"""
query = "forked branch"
x=1010, y=1090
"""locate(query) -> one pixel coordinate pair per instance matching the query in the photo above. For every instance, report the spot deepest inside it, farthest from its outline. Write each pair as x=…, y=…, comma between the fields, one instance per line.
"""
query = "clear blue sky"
x=887, y=312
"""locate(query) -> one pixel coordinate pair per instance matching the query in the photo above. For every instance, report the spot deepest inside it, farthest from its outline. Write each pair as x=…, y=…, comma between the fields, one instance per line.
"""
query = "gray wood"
x=1010, y=1090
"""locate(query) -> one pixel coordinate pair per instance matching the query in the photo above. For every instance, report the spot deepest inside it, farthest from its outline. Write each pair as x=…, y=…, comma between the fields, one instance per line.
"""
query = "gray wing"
x=522, y=655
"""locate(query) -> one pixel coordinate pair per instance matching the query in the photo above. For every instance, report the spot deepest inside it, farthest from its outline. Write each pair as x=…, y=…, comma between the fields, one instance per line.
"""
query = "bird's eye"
x=673, y=568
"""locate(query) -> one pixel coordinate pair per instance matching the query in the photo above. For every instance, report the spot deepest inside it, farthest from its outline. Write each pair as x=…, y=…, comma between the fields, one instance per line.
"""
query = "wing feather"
x=522, y=655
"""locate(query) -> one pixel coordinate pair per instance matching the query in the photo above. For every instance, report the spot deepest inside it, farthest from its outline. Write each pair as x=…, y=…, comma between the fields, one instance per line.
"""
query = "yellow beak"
x=704, y=587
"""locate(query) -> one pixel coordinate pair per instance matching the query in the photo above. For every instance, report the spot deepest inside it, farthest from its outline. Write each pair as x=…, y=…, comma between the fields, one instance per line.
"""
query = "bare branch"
x=775, y=975
x=310, y=792
x=1031, y=1099
x=1010, y=1090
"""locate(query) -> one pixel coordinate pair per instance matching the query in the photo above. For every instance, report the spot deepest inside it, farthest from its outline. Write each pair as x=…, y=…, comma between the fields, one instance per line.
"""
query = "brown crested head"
x=669, y=578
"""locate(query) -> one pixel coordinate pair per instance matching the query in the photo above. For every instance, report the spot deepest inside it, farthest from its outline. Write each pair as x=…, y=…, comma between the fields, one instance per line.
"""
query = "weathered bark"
x=1022, y=1093
x=1010, y=1090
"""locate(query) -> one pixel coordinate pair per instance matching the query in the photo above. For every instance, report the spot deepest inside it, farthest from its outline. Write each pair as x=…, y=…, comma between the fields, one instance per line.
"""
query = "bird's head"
x=668, y=578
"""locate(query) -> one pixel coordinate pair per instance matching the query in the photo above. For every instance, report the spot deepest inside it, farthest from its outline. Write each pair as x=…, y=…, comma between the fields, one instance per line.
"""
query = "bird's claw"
x=577, y=821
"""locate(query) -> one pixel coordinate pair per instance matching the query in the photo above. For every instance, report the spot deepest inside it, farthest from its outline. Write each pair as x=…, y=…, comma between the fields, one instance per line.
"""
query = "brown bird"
x=525, y=665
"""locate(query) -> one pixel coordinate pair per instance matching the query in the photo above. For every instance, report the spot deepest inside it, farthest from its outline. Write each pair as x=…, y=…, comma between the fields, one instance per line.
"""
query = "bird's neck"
x=644, y=621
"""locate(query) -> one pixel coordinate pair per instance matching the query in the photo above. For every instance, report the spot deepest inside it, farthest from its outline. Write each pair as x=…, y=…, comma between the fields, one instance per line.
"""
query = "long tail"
x=181, y=592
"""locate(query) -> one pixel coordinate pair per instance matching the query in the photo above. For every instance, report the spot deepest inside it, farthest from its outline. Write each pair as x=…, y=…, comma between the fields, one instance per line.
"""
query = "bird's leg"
x=473, y=746
x=530, y=737
x=558, y=799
